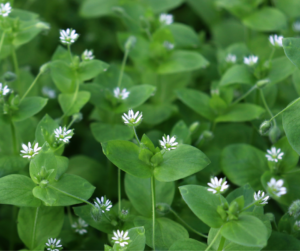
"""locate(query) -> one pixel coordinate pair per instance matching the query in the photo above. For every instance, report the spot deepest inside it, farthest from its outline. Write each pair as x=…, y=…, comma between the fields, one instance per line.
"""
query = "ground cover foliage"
x=149, y=125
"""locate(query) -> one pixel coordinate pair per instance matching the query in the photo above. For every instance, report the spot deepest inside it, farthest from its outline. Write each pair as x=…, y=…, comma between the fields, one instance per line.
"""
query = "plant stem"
x=70, y=53
x=185, y=224
x=71, y=123
x=245, y=95
x=70, y=215
x=31, y=86
x=213, y=241
x=135, y=134
x=221, y=245
x=266, y=105
x=119, y=189
x=14, y=137
x=2, y=40
x=34, y=227
x=272, y=54
x=294, y=102
x=16, y=66
x=153, y=210
x=123, y=67
x=250, y=205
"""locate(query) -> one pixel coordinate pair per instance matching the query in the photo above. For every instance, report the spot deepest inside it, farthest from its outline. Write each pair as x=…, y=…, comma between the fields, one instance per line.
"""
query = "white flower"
x=216, y=185
x=121, y=238
x=274, y=154
x=277, y=187
x=296, y=26
x=80, y=226
x=261, y=197
x=103, y=204
x=231, y=58
x=5, y=9
x=251, y=60
x=168, y=143
x=166, y=19
x=121, y=94
x=50, y=93
x=28, y=151
x=276, y=40
x=3, y=90
x=62, y=134
x=132, y=119
x=168, y=45
x=53, y=245
x=87, y=55
x=68, y=36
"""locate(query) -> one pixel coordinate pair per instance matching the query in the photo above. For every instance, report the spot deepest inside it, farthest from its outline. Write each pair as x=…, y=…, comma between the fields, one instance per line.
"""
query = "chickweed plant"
x=149, y=125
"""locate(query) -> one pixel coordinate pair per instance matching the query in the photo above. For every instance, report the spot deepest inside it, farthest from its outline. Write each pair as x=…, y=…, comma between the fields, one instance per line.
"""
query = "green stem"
x=16, y=66
x=2, y=40
x=31, y=86
x=266, y=105
x=249, y=206
x=136, y=136
x=70, y=53
x=294, y=102
x=221, y=245
x=71, y=123
x=34, y=227
x=185, y=224
x=72, y=196
x=213, y=241
x=119, y=189
x=245, y=95
x=123, y=67
x=70, y=215
x=153, y=209
x=14, y=137
x=272, y=54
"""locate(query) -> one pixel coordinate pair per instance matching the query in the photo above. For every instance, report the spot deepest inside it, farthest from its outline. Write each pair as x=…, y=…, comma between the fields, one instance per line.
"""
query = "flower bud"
x=44, y=183
x=194, y=126
x=208, y=135
x=262, y=83
x=130, y=42
x=96, y=213
x=265, y=127
x=9, y=76
x=44, y=67
x=162, y=208
x=42, y=25
x=274, y=134
x=77, y=117
x=294, y=209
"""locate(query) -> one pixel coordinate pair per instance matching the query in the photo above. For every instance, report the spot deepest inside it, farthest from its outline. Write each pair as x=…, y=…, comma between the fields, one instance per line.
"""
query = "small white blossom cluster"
x=80, y=226
x=103, y=204
x=3, y=90
x=168, y=45
x=121, y=94
x=168, y=143
x=5, y=9
x=28, y=151
x=121, y=238
x=87, y=55
x=274, y=154
x=53, y=245
x=62, y=134
x=132, y=119
x=166, y=19
x=251, y=60
x=261, y=198
x=68, y=36
x=217, y=186
x=231, y=58
x=277, y=187
x=276, y=40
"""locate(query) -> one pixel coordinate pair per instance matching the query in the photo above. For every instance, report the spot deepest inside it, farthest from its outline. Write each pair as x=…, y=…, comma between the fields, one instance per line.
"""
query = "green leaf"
x=137, y=239
x=11, y=164
x=45, y=129
x=156, y=114
x=237, y=74
x=29, y=107
x=62, y=166
x=184, y=161
x=125, y=155
x=104, y=225
x=291, y=49
x=139, y=193
x=288, y=7
x=97, y=8
x=16, y=189
x=247, y=230
x=282, y=241
x=182, y=133
x=182, y=61
x=90, y=69
x=281, y=69
x=188, y=244
x=243, y=164
x=241, y=113
x=196, y=100
x=105, y=132
x=69, y=190
x=266, y=19
x=291, y=123
x=72, y=103
x=158, y=6
x=166, y=231
x=203, y=203
x=37, y=225
x=138, y=95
